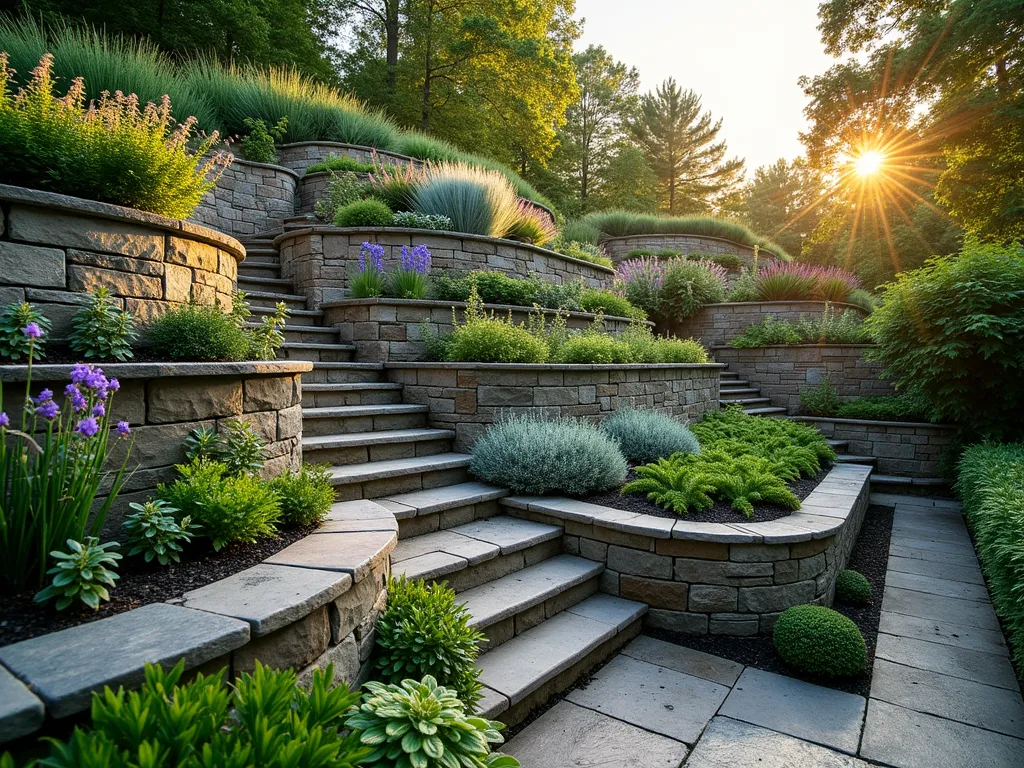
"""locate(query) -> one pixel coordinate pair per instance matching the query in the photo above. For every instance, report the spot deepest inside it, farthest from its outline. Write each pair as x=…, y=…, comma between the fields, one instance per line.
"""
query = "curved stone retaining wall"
x=322, y=259
x=312, y=604
x=782, y=373
x=716, y=578
x=469, y=397
x=302, y=154
x=618, y=247
x=249, y=198
x=900, y=448
x=392, y=329
x=54, y=249
x=164, y=402
x=718, y=324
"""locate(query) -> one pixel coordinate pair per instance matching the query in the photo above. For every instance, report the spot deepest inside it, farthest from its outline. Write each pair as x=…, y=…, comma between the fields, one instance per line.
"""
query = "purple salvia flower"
x=4, y=419
x=72, y=391
x=123, y=429
x=96, y=380
x=32, y=330
x=79, y=372
x=99, y=410
x=416, y=260
x=87, y=427
x=375, y=252
x=48, y=410
x=45, y=395
x=113, y=385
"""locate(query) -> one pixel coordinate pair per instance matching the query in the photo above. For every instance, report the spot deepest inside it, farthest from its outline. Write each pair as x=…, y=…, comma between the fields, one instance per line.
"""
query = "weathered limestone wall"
x=718, y=324
x=55, y=249
x=249, y=198
x=322, y=259
x=468, y=397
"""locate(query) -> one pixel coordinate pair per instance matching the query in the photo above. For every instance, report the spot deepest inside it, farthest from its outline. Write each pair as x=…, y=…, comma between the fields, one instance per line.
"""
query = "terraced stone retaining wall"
x=164, y=402
x=302, y=154
x=312, y=604
x=322, y=259
x=715, y=578
x=469, y=397
x=249, y=198
x=618, y=247
x=901, y=448
x=783, y=372
x=54, y=249
x=393, y=329
x=718, y=324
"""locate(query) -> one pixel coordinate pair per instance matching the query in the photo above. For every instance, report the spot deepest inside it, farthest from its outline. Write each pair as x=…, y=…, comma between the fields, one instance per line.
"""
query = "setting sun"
x=868, y=163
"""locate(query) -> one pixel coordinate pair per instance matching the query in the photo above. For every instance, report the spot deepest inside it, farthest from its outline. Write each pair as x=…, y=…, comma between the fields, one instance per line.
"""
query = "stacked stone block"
x=718, y=324
x=300, y=155
x=618, y=247
x=249, y=198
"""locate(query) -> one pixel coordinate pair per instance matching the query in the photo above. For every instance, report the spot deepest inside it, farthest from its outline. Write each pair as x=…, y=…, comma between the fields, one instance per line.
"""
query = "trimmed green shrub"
x=990, y=481
x=910, y=406
x=306, y=496
x=822, y=400
x=644, y=436
x=195, y=333
x=363, y=213
x=853, y=587
x=206, y=722
x=228, y=508
x=343, y=189
x=593, y=349
x=670, y=350
x=424, y=725
x=425, y=631
x=484, y=338
x=530, y=455
x=953, y=330
x=608, y=304
x=819, y=642
x=686, y=287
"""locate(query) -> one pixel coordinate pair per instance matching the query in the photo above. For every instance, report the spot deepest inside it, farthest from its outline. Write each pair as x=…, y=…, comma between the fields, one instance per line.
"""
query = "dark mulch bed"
x=141, y=584
x=870, y=556
x=721, y=512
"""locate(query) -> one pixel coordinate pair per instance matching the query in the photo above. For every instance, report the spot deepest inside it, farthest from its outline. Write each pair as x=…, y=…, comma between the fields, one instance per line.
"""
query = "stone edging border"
x=82, y=207
x=53, y=371
x=205, y=625
x=427, y=233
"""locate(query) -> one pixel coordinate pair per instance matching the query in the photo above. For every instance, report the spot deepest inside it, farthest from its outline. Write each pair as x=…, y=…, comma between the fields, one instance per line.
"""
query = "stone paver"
x=925, y=606
x=995, y=709
x=569, y=736
x=807, y=711
x=987, y=668
x=20, y=711
x=967, y=573
x=683, y=659
x=655, y=698
x=906, y=739
x=509, y=533
x=352, y=553
x=944, y=632
x=730, y=743
x=937, y=586
x=118, y=648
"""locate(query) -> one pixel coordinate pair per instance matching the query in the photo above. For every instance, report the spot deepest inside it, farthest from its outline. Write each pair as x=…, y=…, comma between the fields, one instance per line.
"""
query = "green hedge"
x=991, y=484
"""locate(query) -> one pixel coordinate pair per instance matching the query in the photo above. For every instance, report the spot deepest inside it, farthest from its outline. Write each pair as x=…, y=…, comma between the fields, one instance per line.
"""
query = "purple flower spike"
x=99, y=410
x=113, y=385
x=48, y=410
x=416, y=260
x=32, y=330
x=44, y=396
x=375, y=253
x=87, y=427
x=79, y=372
x=96, y=380
x=4, y=419
x=123, y=429
x=71, y=391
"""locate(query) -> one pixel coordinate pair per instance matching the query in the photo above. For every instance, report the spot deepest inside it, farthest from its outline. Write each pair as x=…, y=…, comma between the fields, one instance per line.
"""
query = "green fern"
x=673, y=484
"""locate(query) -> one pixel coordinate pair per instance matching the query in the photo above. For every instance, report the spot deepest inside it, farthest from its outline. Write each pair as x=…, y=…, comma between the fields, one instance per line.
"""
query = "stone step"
x=381, y=445
x=765, y=411
x=296, y=316
x=529, y=669
x=743, y=401
x=727, y=374
x=259, y=269
x=512, y=604
x=316, y=352
x=343, y=373
x=839, y=446
x=271, y=298
x=847, y=458
x=346, y=419
x=911, y=486
x=354, y=393
x=738, y=391
x=380, y=479
x=306, y=334
x=441, y=508
x=260, y=249
x=476, y=553
x=259, y=283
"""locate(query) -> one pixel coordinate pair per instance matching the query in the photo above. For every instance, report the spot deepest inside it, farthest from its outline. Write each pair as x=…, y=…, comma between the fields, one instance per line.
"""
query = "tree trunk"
x=391, y=30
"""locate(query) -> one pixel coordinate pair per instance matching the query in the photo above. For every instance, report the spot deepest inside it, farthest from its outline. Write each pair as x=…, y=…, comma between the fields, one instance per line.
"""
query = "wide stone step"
x=343, y=373
x=379, y=479
x=258, y=283
x=316, y=352
x=271, y=299
x=512, y=604
x=383, y=445
x=743, y=401
x=898, y=484
x=765, y=411
x=727, y=375
x=476, y=553
x=305, y=334
x=530, y=668
x=345, y=419
x=296, y=316
x=847, y=458
x=353, y=393
x=259, y=268
x=440, y=508
x=839, y=445
x=737, y=391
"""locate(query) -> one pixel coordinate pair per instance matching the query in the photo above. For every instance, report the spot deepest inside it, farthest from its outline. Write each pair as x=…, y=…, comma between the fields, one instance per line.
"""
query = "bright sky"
x=742, y=56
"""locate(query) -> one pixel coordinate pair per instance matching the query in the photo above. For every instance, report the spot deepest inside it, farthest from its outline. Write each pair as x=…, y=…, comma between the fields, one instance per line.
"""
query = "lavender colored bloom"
x=416, y=260
x=375, y=253
x=87, y=427
x=113, y=385
x=4, y=419
x=32, y=330
x=48, y=410
x=71, y=391
x=46, y=394
x=123, y=429
x=99, y=410
x=79, y=404
x=96, y=380
x=79, y=372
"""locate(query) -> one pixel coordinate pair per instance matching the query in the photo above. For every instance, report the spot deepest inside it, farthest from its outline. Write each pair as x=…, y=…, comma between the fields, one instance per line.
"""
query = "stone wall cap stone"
x=127, y=371
x=21, y=712
x=269, y=166
x=64, y=668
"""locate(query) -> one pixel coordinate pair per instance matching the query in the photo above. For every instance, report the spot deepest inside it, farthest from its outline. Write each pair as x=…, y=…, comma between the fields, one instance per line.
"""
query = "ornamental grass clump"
x=782, y=281
x=531, y=455
x=478, y=201
x=532, y=225
x=645, y=436
x=53, y=457
x=111, y=150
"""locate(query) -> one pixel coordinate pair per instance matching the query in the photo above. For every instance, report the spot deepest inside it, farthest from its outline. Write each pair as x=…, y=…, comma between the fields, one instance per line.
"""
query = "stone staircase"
x=545, y=622
x=735, y=391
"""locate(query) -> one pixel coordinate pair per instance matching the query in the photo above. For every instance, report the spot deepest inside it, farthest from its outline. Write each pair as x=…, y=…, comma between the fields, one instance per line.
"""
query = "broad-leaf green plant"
x=83, y=573
x=154, y=532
